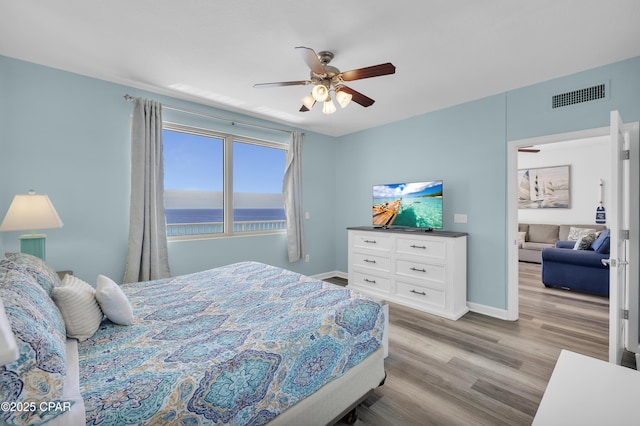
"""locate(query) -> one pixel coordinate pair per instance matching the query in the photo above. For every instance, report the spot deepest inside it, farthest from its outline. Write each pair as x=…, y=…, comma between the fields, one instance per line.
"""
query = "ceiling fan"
x=326, y=78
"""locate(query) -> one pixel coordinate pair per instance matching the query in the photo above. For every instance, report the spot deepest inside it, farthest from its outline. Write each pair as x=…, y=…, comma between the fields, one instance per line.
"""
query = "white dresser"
x=422, y=270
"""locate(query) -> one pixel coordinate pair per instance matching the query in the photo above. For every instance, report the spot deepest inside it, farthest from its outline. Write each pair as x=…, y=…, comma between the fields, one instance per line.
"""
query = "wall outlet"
x=307, y=258
x=459, y=218
x=307, y=215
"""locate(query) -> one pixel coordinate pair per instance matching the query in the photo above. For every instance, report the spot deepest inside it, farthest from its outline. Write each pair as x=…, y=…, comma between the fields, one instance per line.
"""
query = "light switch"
x=459, y=218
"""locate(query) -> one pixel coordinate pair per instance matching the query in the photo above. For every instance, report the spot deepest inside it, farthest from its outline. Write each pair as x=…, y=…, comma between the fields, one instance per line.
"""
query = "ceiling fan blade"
x=357, y=97
x=311, y=59
x=282, y=83
x=304, y=108
x=368, y=72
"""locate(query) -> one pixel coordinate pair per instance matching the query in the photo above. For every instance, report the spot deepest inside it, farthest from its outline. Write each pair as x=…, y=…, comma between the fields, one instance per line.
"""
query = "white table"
x=587, y=391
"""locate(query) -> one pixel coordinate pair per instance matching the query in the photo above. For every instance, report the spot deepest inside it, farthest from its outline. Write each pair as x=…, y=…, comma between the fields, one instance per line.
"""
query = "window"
x=221, y=185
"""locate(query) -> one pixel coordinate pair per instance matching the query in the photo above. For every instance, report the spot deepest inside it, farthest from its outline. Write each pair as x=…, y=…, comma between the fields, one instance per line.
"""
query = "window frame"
x=227, y=178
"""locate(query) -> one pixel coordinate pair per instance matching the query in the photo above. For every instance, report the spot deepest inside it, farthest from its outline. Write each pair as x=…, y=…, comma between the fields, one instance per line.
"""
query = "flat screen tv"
x=411, y=205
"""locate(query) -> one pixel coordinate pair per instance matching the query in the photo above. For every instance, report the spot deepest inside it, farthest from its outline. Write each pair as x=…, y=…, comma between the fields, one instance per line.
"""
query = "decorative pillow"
x=601, y=244
x=80, y=310
x=38, y=375
x=113, y=302
x=522, y=237
x=43, y=273
x=576, y=233
x=584, y=243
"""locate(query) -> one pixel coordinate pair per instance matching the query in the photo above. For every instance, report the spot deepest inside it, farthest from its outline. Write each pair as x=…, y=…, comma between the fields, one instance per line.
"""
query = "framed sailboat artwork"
x=544, y=188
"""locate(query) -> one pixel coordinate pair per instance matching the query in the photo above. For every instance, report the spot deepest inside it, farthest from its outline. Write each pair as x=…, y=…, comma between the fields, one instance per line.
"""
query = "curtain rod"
x=202, y=114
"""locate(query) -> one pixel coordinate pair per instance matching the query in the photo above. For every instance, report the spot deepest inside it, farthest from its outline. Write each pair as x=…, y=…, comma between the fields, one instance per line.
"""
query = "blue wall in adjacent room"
x=67, y=135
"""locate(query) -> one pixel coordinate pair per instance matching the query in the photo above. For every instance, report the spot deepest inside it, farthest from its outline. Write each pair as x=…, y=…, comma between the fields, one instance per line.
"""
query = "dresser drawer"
x=422, y=271
x=372, y=241
x=364, y=260
x=421, y=294
x=435, y=248
x=372, y=281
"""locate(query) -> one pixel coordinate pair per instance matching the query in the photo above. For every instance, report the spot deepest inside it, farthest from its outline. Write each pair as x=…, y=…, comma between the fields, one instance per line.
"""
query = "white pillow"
x=576, y=233
x=522, y=236
x=113, y=301
x=77, y=302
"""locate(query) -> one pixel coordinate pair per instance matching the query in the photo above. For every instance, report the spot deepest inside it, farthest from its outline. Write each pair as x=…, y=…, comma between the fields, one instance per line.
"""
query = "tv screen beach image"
x=415, y=205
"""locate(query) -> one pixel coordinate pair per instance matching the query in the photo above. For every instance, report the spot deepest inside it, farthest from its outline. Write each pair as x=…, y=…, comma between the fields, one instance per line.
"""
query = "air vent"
x=578, y=96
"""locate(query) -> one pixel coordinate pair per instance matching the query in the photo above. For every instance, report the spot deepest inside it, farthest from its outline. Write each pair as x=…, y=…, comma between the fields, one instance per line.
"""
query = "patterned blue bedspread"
x=237, y=344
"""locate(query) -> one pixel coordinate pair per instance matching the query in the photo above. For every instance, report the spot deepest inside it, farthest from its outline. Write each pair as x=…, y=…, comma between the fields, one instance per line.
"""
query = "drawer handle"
x=370, y=241
x=421, y=293
x=370, y=261
x=370, y=281
x=420, y=247
x=418, y=269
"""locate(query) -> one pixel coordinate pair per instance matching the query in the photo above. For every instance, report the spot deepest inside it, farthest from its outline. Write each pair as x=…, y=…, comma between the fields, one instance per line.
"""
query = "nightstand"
x=61, y=274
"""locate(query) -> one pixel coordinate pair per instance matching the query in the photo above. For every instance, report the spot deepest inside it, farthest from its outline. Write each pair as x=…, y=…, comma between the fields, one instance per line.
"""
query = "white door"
x=618, y=251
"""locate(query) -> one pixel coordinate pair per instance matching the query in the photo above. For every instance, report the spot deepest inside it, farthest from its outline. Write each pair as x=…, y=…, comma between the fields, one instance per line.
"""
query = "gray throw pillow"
x=584, y=243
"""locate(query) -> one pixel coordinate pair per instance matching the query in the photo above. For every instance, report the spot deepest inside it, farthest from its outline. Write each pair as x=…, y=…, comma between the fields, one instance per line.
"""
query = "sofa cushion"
x=530, y=245
x=601, y=244
x=540, y=233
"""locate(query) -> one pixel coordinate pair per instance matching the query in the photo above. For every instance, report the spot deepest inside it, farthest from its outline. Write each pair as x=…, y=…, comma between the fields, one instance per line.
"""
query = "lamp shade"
x=30, y=212
x=308, y=101
x=8, y=345
x=320, y=93
x=328, y=107
x=343, y=98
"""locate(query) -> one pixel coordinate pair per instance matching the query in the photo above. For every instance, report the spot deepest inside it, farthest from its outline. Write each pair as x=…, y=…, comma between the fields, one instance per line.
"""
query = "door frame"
x=512, y=204
x=512, y=218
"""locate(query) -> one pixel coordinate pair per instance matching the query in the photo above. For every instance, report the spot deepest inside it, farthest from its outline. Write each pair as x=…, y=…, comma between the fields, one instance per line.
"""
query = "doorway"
x=512, y=219
x=512, y=201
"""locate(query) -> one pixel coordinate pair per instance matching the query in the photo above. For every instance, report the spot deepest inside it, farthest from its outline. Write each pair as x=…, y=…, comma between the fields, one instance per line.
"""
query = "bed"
x=246, y=344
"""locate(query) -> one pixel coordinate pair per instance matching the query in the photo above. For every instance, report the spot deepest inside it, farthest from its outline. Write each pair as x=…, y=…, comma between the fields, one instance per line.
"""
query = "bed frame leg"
x=351, y=417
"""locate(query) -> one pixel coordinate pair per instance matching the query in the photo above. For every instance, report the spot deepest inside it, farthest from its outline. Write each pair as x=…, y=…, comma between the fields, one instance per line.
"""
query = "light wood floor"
x=481, y=370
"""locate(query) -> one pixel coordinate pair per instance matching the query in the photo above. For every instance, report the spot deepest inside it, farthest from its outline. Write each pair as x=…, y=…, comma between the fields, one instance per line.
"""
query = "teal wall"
x=463, y=146
x=466, y=147
x=68, y=136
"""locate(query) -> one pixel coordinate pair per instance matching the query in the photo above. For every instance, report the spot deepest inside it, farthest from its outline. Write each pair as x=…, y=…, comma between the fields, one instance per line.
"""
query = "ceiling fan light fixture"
x=308, y=101
x=343, y=98
x=328, y=107
x=320, y=93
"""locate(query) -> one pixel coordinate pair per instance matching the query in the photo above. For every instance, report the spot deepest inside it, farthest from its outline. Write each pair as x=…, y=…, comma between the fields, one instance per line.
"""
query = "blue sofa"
x=580, y=270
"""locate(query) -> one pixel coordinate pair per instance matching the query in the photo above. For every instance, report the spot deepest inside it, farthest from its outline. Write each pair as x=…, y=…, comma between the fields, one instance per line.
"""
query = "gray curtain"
x=292, y=192
x=147, y=258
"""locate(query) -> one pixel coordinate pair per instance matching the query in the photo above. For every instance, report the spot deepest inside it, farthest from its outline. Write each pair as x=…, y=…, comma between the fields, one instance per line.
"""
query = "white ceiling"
x=212, y=52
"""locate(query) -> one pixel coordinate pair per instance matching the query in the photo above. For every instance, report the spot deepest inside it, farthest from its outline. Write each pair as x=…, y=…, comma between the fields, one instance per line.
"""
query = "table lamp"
x=30, y=212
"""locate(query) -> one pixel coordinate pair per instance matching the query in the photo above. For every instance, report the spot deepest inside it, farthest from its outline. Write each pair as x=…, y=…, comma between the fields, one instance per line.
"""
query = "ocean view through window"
x=221, y=185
